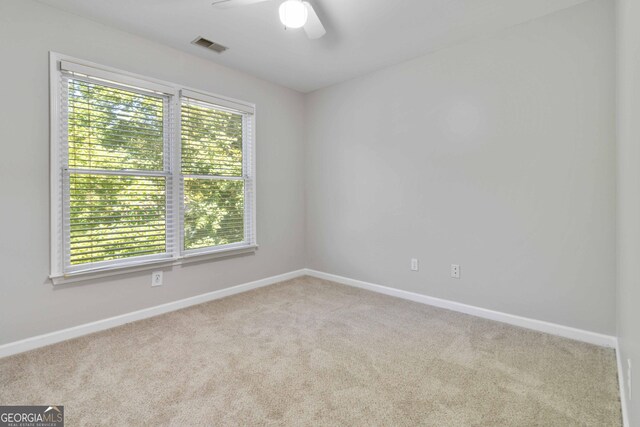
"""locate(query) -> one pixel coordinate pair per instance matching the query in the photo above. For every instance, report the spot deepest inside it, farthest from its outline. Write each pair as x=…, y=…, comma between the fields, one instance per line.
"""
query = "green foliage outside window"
x=114, y=215
x=212, y=147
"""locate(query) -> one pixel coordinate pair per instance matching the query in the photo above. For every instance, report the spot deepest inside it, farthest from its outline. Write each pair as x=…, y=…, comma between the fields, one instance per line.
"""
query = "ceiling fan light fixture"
x=293, y=13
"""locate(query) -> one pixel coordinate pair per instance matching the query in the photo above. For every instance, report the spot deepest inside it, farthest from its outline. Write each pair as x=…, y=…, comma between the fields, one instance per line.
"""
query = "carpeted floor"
x=311, y=352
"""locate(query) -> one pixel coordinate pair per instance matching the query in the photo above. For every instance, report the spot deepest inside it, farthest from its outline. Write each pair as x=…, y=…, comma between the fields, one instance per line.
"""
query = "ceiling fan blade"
x=224, y=4
x=313, y=27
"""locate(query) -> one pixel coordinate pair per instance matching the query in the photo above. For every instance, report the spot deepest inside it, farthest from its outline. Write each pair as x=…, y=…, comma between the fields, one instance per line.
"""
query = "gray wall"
x=28, y=303
x=629, y=194
x=498, y=155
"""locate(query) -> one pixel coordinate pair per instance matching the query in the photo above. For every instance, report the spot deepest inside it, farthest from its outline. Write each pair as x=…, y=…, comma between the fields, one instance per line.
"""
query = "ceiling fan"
x=293, y=14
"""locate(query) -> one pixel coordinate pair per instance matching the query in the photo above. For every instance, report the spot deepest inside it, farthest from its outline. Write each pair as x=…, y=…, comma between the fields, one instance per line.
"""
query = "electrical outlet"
x=629, y=376
x=455, y=271
x=414, y=264
x=156, y=278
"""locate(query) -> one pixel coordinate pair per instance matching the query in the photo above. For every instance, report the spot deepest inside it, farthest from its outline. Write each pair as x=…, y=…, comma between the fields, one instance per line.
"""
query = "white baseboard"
x=621, y=383
x=100, y=325
x=524, y=322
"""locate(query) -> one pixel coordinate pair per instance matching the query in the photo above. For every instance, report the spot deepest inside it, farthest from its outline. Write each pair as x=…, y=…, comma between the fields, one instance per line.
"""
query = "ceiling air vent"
x=201, y=41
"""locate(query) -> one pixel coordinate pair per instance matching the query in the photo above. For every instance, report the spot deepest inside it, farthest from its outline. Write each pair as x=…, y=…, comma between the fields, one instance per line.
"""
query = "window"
x=215, y=175
x=145, y=171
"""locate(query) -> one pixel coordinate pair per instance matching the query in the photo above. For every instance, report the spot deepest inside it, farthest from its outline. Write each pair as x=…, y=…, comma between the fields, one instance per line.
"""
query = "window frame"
x=175, y=254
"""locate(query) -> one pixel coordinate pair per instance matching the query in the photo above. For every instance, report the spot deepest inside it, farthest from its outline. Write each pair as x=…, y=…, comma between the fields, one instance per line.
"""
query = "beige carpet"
x=311, y=352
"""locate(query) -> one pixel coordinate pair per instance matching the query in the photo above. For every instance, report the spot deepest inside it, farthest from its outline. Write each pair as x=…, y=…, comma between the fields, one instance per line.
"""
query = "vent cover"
x=201, y=41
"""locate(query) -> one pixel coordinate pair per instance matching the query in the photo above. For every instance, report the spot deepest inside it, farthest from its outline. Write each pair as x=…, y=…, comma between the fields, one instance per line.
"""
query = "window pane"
x=114, y=217
x=112, y=128
x=211, y=141
x=214, y=212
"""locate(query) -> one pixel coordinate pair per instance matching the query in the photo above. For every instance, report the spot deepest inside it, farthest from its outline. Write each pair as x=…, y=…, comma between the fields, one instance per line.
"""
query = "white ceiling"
x=362, y=35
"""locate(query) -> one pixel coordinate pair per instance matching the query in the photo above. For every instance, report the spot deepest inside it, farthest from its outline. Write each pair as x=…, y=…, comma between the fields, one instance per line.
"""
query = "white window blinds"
x=143, y=175
x=116, y=174
x=216, y=169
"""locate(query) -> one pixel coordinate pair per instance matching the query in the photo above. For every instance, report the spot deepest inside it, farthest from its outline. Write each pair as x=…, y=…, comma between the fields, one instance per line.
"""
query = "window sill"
x=82, y=276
